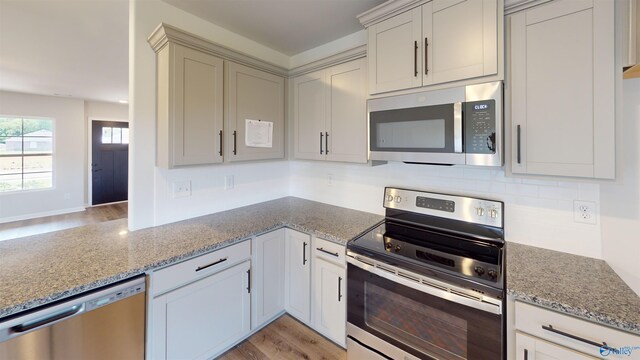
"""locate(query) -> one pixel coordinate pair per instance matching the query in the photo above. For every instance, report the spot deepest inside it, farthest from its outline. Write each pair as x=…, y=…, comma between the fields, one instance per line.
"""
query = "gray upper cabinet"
x=253, y=95
x=562, y=89
x=329, y=117
x=190, y=115
x=205, y=95
x=438, y=42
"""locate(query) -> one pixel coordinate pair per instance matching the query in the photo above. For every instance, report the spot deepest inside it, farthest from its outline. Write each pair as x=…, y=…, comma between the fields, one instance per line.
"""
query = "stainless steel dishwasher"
x=106, y=323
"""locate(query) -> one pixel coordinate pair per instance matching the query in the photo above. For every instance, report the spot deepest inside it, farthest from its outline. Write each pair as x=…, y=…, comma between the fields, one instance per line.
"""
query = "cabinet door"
x=256, y=95
x=203, y=318
x=346, y=112
x=309, y=103
x=329, y=300
x=395, y=53
x=562, y=89
x=461, y=39
x=268, y=277
x=531, y=348
x=190, y=100
x=298, y=275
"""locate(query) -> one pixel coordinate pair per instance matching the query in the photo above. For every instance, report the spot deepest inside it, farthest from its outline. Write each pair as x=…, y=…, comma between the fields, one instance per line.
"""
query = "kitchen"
x=538, y=210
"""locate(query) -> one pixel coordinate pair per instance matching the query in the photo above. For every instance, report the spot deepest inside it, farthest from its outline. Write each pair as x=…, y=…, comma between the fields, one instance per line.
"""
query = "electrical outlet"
x=330, y=179
x=584, y=212
x=181, y=189
x=229, y=182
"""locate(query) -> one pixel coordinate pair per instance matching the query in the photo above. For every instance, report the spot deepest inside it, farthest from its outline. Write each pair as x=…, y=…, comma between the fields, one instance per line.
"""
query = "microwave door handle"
x=457, y=127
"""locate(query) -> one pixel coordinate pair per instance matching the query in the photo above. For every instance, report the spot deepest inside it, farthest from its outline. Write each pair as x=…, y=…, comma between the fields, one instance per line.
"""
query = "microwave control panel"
x=480, y=127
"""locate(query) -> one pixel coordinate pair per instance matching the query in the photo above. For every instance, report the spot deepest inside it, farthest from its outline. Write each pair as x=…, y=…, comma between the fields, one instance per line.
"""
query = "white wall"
x=150, y=199
x=621, y=199
x=69, y=159
x=537, y=212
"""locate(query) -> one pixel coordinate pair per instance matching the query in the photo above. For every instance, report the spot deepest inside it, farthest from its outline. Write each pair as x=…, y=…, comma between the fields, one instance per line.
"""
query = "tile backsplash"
x=537, y=212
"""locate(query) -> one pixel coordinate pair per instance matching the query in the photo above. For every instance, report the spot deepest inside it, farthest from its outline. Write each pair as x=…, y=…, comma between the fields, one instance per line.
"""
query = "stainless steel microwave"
x=454, y=126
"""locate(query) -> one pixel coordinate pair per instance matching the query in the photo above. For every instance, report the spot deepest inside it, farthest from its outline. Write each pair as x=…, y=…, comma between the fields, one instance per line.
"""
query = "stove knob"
x=480, y=211
x=388, y=246
x=493, y=213
x=479, y=270
x=398, y=199
x=493, y=274
x=398, y=248
x=389, y=198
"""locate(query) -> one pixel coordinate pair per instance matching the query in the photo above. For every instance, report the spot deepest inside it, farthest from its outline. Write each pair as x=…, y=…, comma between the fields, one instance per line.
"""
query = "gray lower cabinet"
x=267, y=277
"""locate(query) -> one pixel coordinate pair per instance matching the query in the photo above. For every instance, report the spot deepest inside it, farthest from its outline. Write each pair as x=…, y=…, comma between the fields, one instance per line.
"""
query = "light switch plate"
x=229, y=182
x=181, y=189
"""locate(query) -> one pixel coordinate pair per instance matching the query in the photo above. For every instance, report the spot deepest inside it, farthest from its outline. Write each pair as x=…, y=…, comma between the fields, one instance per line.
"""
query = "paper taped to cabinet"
x=258, y=133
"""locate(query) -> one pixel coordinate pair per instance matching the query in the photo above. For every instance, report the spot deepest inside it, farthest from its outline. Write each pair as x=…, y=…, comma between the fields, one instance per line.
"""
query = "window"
x=26, y=153
x=115, y=135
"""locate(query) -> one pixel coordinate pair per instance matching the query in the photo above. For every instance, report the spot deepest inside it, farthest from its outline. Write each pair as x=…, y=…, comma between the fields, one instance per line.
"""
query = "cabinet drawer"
x=558, y=328
x=330, y=251
x=199, y=267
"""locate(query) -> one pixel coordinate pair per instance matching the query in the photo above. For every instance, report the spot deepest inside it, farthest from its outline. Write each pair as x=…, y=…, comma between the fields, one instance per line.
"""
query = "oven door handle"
x=428, y=289
x=457, y=128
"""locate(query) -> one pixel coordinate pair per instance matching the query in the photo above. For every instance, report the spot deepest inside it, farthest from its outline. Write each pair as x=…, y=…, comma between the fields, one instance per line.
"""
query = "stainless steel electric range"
x=428, y=281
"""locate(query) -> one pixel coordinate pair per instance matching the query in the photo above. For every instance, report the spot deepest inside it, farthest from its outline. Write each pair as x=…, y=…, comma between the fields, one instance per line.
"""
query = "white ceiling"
x=287, y=26
x=79, y=48
x=68, y=47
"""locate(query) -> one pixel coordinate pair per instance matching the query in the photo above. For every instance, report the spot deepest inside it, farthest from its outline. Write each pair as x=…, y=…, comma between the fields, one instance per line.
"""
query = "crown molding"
x=339, y=58
x=166, y=33
x=386, y=10
x=512, y=6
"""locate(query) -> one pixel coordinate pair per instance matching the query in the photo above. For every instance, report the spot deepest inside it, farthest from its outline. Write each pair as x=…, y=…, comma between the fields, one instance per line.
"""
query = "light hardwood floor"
x=285, y=338
x=47, y=224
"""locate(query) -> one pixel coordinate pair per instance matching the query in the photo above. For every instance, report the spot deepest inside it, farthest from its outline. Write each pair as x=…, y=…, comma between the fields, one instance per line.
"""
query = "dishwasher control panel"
x=114, y=296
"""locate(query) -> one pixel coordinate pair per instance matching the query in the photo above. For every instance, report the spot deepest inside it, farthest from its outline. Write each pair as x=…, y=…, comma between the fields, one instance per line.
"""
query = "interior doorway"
x=109, y=161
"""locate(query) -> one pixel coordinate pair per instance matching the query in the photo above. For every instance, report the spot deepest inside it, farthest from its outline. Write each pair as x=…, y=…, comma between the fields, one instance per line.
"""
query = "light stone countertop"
x=40, y=269
x=576, y=285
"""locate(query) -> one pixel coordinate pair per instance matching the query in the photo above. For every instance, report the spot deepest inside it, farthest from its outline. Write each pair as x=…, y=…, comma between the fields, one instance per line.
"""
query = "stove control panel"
x=479, y=211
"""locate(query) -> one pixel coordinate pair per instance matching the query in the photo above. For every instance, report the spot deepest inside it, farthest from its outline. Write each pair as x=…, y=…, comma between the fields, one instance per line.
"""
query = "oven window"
x=411, y=134
x=420, y=326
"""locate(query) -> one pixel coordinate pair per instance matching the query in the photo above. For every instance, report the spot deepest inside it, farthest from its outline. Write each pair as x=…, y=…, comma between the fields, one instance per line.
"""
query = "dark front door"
x=110, y=161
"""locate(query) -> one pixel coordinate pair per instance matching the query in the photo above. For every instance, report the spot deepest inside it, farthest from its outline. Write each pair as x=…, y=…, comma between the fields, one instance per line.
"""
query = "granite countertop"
x=40, y=269
x=576, y=285
x=44, y=268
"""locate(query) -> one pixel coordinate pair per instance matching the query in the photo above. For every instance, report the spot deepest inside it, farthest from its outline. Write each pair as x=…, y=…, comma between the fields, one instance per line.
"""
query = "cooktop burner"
x=436, y=233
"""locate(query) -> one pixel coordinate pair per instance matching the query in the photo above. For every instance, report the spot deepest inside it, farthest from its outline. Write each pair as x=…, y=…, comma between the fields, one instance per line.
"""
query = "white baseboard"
x=40, y=214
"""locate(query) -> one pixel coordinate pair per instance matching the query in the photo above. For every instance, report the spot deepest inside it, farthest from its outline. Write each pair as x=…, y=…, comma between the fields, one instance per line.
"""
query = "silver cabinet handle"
x=328, y=252
x=574, y=337
x=199, y=268
x=415, y=58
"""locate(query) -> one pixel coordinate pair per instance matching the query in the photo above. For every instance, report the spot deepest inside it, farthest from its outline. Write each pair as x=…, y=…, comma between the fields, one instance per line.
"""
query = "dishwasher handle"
x=30, y=325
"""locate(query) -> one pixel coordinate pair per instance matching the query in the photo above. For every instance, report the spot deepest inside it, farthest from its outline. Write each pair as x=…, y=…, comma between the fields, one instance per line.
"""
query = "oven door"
x=391, y=317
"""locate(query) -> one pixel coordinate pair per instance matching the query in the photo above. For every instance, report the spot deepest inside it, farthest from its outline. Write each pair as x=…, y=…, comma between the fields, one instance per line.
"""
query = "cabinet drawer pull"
x=235, y=135
x=426, y=56
x=321, y=135
x=220, y=134
x=415, y=58
x=339, y=288
x=212, y=264
x=326, y=143
x=574, y=337
x=304, y=253
x=518, y=144
x=328, y=252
